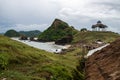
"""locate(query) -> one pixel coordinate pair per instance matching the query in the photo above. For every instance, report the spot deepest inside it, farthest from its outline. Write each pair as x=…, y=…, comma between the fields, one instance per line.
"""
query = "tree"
x=83, y=30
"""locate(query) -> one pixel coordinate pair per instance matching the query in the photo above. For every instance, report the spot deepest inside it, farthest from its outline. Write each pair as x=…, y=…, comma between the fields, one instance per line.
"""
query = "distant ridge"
x=33, y=33
x=14, y=33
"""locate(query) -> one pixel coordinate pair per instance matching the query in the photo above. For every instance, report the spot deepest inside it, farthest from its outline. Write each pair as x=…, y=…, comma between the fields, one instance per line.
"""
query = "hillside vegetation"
x=56, y=31
x=33, y=33
x=12, y=33
x=21, y=62
x=91, y=36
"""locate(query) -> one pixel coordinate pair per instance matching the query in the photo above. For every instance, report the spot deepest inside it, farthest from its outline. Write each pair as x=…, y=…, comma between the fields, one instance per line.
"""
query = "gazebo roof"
x=99, y=22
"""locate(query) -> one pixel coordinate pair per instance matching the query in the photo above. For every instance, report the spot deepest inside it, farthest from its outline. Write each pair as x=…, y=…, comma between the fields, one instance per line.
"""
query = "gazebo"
x=99, y=26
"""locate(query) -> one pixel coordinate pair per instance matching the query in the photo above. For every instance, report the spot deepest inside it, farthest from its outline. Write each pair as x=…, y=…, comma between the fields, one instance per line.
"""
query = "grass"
x=92, y=36
x=22, y=62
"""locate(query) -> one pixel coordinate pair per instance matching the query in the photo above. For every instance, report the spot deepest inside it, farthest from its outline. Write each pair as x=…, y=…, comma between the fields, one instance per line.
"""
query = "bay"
x=47, y=46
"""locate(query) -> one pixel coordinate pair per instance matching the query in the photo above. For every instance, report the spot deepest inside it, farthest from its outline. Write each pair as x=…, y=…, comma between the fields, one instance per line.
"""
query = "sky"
x=25, y=15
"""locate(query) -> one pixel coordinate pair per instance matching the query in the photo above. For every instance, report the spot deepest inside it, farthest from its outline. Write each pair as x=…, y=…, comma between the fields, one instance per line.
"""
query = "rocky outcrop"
x=104, y=64
x=32, y=39
x=66, y=40
x=23, y=37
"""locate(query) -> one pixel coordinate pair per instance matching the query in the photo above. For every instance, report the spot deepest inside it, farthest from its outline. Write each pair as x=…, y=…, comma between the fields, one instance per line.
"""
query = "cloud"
x=21, y=27
x=90, y=11
x=94, y=9
x=78, y=13
x=30, y=27
x=27, y=11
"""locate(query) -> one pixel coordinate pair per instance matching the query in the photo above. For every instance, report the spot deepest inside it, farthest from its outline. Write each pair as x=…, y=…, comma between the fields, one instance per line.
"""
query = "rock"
x=32, y=39
x=23, y=37
x=66, y=40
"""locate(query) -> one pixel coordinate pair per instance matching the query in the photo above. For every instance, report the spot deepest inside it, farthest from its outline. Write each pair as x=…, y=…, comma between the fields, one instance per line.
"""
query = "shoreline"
x=47, y=46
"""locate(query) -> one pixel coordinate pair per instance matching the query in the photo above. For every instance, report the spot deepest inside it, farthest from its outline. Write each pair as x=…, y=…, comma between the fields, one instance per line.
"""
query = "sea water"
x=47, y=46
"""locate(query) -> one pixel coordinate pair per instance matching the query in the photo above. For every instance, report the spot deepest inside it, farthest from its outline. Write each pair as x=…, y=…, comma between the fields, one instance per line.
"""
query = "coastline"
x=47, y=46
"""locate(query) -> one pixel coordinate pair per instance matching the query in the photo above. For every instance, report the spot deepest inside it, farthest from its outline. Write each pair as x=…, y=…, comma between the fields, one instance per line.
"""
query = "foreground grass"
x=21, y=62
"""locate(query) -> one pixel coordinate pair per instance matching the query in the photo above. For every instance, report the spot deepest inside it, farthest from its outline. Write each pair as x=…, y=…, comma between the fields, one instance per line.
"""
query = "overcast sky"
x=39, y=14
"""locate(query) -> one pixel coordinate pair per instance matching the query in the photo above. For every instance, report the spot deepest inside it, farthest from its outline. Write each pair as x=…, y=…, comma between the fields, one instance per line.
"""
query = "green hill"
x=12, y=33
x=33, y=33
x=21, y=62
x=56, y=31
x=91, y=36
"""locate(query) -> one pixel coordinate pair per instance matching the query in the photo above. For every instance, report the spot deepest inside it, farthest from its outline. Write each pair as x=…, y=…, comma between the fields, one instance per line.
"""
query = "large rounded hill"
x=12, y=33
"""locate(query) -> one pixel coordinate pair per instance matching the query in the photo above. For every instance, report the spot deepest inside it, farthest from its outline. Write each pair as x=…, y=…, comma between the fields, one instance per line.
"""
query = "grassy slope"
x=90, y=36
x=22, y=62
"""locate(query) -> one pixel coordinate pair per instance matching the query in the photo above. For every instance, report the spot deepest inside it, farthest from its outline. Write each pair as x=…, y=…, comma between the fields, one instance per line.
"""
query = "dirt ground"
x=104, y=64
